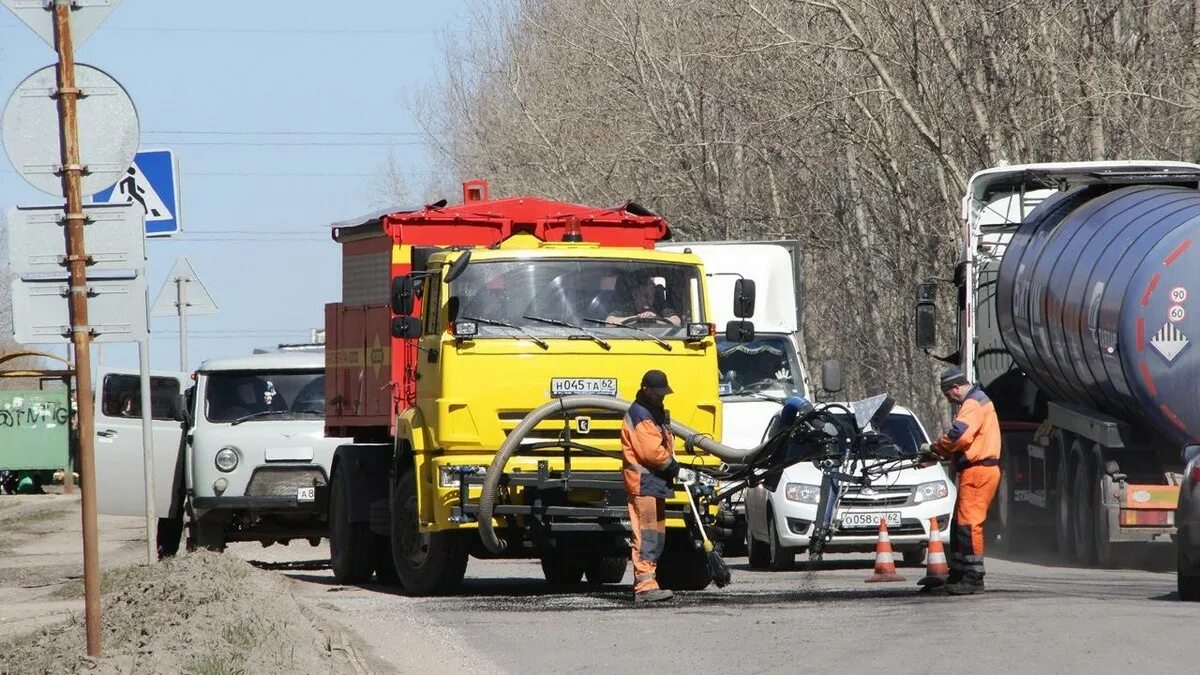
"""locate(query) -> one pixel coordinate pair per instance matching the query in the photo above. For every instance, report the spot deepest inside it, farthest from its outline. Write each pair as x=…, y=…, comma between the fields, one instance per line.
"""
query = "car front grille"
x=890, y=497
x=282, y=481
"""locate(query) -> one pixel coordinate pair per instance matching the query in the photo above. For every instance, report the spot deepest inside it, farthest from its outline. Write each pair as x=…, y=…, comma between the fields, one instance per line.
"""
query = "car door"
x=120, y=476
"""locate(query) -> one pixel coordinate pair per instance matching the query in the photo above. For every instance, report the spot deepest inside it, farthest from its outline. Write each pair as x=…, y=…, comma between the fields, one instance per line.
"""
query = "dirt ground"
x=199, y=613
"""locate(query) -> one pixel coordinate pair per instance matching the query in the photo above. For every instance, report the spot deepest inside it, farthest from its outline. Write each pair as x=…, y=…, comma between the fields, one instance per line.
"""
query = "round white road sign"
x=108, y=130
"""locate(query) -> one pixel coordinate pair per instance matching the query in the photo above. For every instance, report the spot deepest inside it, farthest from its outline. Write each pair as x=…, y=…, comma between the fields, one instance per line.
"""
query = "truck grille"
x=604, y=425
x=282, y=481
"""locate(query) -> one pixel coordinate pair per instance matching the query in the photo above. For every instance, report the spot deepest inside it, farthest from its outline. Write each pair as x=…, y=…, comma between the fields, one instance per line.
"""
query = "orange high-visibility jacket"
x=646, y=451
x=974, y=437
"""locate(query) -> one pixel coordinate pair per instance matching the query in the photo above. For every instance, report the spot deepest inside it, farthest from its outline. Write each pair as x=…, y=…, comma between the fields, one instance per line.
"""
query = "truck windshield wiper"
x=555, y=322
x=604, y=322
x=496, y=322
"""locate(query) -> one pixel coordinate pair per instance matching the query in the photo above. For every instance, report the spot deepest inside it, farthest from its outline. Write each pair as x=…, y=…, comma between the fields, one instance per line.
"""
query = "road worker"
x=973, y=447
x=649, y=472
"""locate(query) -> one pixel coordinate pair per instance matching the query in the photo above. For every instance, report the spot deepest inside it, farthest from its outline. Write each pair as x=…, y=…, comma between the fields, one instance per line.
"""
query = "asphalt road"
x=1035, y=617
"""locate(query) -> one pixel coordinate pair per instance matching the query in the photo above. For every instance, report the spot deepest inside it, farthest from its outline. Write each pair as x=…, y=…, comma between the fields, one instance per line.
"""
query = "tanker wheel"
x=1108, y=553
x=1084, y=496
x=351, y=545
x=427, y=563
x=606, y=569
x=1063, y=516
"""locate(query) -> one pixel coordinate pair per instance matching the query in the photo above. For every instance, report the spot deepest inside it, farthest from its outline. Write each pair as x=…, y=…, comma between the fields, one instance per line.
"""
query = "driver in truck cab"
x=646, y=300
x=973, y=445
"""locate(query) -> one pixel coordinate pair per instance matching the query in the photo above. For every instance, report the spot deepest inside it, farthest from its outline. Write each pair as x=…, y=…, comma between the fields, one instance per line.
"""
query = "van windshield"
x=767, y=365
x=230, y=396
x=600, y=296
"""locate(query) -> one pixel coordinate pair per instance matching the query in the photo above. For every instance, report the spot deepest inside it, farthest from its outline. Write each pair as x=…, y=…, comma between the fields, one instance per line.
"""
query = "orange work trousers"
x=648, y=520
x=976, y=489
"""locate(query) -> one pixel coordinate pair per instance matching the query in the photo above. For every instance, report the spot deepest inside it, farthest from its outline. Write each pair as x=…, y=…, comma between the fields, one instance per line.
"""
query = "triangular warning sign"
x=135, y=187
x=1169, y=341
x=183, y=281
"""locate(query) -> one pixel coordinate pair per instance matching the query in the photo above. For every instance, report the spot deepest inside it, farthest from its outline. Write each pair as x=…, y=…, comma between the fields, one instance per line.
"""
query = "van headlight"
x=803, y=493
x=227, y=459
x=930, y=491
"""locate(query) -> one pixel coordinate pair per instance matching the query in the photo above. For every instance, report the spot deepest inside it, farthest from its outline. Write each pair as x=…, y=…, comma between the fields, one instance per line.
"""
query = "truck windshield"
x=230, y=396
x=767, y=365
x=601, y=297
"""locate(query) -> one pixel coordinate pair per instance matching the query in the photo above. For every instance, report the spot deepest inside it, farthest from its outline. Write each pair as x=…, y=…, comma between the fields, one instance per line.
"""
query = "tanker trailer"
x=1076, y=294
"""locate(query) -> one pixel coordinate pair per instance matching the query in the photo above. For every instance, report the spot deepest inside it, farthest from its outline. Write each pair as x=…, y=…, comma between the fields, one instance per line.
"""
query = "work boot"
x=934, y=590
x=965, y=587
x=654, y=595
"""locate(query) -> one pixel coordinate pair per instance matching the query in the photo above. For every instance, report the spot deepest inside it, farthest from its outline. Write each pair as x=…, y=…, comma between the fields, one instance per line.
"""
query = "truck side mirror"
x=406, y=327
x=402, y=295
x=183, y=411
x=926, y=316
x=1190, y=452
x=743, y=298
x=831, y=376
x=739, y=331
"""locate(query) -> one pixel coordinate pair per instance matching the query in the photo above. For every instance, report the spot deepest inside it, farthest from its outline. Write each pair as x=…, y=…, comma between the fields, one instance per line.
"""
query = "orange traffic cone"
x=936, y=569
x=885, y=564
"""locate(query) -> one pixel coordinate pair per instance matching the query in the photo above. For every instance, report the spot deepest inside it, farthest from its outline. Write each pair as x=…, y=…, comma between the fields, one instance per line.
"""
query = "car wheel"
x=914, y=556
x=758, y=553
x=351, y=552
x=1187, y=578
x=1084, y=497
x=780, y=557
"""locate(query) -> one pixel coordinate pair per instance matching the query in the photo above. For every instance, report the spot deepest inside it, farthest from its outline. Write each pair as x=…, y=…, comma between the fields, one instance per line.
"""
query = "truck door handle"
x=106, y=433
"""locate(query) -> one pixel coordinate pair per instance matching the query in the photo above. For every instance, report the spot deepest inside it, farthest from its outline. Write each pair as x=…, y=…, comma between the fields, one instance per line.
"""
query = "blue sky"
x=223, y=83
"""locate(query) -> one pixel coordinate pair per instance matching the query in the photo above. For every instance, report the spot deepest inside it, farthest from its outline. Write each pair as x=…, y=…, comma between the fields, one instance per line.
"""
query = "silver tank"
x=1098, y=301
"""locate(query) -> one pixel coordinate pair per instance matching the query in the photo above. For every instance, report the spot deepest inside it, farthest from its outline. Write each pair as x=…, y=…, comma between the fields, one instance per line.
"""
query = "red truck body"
x=368, y=372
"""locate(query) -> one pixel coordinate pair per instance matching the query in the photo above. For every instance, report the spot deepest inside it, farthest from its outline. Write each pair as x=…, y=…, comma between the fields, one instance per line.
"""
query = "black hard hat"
x=656, y=380
x=952, y=377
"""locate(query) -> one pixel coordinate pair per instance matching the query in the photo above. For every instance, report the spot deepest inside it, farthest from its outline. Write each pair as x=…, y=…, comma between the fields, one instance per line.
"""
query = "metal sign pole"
x=76, y=260
x=148, y=450
x=181, y=291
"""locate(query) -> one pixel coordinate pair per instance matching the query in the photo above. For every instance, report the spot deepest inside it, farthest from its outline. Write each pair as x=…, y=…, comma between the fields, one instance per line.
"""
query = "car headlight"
x=226, y=459
x=803, y=493
x=925, y=492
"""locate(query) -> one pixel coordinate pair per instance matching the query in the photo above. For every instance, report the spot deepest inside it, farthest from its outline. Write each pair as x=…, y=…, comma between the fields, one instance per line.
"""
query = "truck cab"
x=257, y=461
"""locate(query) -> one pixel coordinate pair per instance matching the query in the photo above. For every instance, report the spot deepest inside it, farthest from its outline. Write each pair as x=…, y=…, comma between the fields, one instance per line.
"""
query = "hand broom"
x=717, y=568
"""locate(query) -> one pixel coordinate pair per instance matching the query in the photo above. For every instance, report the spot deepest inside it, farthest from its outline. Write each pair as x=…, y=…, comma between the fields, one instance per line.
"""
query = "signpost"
x=182, y=294
x=152, y=181
x=27, y=117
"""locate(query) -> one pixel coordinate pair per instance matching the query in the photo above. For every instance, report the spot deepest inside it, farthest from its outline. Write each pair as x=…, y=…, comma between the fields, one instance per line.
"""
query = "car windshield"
x=903, y=429
x=230, y=396
x=767, y=365
x=614, y=299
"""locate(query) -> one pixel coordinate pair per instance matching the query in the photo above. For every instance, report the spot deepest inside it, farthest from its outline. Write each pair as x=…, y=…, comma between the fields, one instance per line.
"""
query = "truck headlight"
x=803, y=493
x=226, y=459
x=925, y=492
x=448, y=476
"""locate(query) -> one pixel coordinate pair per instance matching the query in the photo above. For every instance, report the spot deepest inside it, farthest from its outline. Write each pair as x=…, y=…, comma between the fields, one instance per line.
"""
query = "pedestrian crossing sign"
x=153, y=182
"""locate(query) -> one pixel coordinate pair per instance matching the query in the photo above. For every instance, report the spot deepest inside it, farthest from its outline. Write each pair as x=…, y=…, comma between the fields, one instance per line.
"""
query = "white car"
x=780, y=517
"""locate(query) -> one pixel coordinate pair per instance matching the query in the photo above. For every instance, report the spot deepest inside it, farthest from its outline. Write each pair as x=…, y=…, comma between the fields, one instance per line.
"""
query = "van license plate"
x=306, y=494
x=586, y=386
x=858, y=521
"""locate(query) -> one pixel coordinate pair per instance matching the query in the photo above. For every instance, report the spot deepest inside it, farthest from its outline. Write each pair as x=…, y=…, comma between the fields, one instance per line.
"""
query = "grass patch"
x=110, y=580
x=215, y=665
x=27, y=521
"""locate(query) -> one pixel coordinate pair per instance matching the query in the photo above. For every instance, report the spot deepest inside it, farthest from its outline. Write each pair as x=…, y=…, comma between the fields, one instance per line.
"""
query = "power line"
x=286, y=133
x=301, y=144
x=272, y=31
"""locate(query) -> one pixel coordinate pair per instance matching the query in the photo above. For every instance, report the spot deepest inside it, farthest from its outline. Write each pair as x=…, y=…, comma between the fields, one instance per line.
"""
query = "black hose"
x=491, y=483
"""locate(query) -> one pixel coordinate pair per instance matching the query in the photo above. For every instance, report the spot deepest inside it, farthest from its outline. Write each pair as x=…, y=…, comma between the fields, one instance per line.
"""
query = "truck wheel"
x=1063, y=515
x=427, y=563
x=607, y=570
x=561, y=569
x=385, y=567
x=683, y=566
x=780, y=559
x=1083, y=497
x=1107, y=552
x=350, y=544
x=167, y=536
x=758, y=553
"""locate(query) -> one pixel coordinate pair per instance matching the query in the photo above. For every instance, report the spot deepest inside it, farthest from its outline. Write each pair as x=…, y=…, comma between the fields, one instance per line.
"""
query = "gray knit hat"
x=952, y=377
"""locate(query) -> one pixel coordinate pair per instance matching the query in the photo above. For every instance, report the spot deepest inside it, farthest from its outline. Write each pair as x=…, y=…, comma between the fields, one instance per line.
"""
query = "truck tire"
x=780, y=558
x=561, y=569
x=1108, y=553
x=683, y=566
x=1064, y=537
x=351, y=545
x=1083, y=497
x=758, y=553
x=167, y=537
x=385, y=566
x=606, y=570
x=427, y=563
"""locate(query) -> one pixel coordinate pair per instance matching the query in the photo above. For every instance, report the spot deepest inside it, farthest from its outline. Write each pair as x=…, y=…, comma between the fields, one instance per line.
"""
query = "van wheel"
x=206, y=533
x=351, y=552
x=427, y=563
x=168, y=536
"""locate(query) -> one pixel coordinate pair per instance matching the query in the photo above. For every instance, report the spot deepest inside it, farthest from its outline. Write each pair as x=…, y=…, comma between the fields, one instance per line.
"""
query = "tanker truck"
x=1077, y=289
